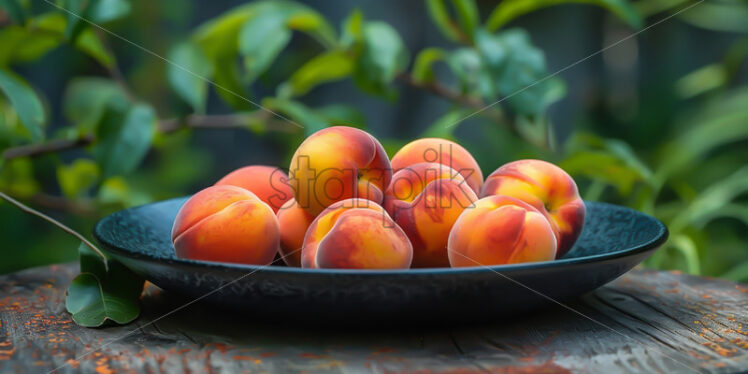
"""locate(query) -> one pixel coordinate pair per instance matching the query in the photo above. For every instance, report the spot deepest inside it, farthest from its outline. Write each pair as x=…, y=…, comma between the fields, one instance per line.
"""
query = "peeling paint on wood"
x=643, y=322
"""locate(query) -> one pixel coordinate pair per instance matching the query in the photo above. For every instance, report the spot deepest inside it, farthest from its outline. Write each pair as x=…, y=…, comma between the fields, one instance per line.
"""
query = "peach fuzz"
x=500, y=230
x=547, y=188
x=356, y=234
x=226, y=224
x=425, y=200
x=269, y=183
x=338, y=163
x=294, y=222
x=441, y=151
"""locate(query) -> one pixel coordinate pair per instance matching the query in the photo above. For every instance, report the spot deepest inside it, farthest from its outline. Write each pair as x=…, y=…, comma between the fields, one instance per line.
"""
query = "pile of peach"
x=344, y=204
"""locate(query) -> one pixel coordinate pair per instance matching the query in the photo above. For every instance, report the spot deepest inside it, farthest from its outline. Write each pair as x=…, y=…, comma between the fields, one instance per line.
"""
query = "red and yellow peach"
x=356, y=234
x=226, y=224
x=548, y=189
x=294, y=222
x=500, y=230
x=338, y=163
x=269, y=183
x=425, y=200
x=443, y=152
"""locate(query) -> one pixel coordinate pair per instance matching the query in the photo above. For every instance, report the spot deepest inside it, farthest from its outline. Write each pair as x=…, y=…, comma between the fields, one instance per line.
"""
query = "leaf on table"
x=123, y=138
x=383, y=56
x=25, y=102
x=326, y=67
x=190, y=73
x=508, y=10
x=86, y=99
x=104, y=291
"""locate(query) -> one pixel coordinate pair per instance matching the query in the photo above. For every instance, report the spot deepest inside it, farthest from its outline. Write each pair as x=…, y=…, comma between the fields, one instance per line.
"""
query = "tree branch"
x=220, y=121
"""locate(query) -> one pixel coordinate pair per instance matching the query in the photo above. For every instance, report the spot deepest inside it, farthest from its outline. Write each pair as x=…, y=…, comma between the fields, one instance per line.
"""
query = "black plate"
x=614, y=240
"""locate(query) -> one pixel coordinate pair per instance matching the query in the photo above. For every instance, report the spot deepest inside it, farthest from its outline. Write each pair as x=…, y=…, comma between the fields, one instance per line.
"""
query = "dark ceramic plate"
x=614, y=240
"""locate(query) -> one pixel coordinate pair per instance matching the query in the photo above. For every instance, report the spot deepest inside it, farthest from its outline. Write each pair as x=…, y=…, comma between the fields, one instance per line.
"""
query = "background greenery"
x=93, y=121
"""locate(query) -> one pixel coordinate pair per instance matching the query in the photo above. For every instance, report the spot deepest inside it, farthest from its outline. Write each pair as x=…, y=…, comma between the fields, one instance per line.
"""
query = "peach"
x=338, y=163
x=441, y=151
x=269, y=183
x=226, y=224
x=293, y=221
x=547, y=188
x=356, y=234
x=500, y=230
x=425, y=200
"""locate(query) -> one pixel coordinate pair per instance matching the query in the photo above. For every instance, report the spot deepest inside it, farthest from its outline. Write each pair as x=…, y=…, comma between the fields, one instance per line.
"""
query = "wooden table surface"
x=646, y=321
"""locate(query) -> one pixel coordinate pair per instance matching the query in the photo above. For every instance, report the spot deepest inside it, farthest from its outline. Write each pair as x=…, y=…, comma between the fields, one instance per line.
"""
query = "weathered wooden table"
x=643, y=322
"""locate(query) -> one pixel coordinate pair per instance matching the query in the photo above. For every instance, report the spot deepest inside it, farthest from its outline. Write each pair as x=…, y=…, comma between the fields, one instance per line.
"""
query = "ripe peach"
x=441, y=151
x=547, y=188
x=425, y=200
x=500, y=230
x=269, y=183
x=293, y=221
x=356, y=234
x=226, y=224
x=338, y=163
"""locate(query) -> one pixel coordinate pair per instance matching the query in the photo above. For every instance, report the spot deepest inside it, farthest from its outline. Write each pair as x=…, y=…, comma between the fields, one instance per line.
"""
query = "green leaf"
x=85, y=100
x=727, y=16
x=712, y=200
x=467, y=16
x=602, y=166
x=687, y=248
x=517, y=71
x=738, y=273
x=15, y=11
x=17, y=178
x=701, y=80
x=77, y=178
x=261, y=40
x=508, y=10
x=124, y=138
x=340, y=114
x=20, y=44
x=75, y=10
x=102, y=11
x=423, y=66
x=718, y=122
x=307, y=117
x=25, y=102
x=440, y=15
x=189, y=78
x=117, y=190
x=442, y=127
x=383, y=57
x=467, y=66
x=104, y=291
x=352, y=29
x=326, y=67
x=52, y=26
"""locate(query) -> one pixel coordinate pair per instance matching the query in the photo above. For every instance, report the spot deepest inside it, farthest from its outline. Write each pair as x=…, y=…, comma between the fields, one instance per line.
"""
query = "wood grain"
x=643, y=322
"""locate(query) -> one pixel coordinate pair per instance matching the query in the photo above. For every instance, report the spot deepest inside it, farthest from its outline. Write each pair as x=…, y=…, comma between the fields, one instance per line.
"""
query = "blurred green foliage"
x=118, y=149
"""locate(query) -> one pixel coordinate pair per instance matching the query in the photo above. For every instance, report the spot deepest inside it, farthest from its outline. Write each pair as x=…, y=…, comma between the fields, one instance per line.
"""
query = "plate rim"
x=118, y=251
